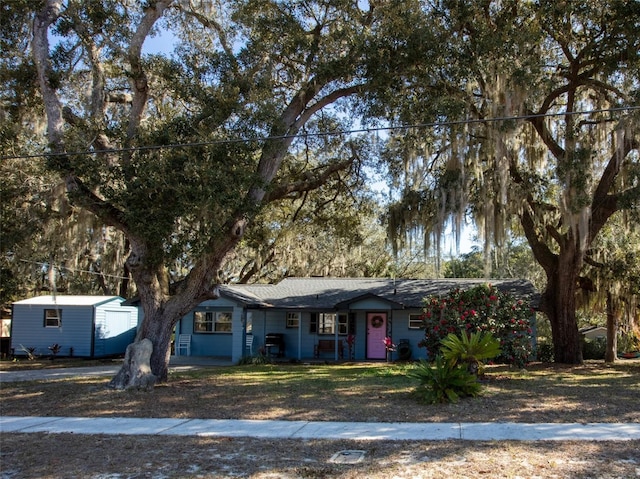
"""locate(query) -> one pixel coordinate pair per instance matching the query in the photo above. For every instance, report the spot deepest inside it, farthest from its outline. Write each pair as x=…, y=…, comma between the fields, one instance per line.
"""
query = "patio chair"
x=249, y=345
x=184, y=343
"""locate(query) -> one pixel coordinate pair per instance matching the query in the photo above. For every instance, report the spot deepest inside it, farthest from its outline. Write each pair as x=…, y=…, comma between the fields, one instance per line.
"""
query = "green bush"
x=442, y=382
x=255, y=360
x=483, y=308
x=545, y=352
x=628, y=342
x=594, y=348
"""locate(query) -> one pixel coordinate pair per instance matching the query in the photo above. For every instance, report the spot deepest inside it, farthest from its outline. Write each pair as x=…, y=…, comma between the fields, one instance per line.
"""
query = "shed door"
x=376, y=332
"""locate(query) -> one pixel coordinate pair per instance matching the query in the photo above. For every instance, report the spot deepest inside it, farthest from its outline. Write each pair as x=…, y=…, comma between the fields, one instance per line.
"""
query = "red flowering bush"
x=485, y=309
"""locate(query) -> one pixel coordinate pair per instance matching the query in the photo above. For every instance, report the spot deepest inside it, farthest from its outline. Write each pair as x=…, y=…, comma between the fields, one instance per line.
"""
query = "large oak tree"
x=521, y=74
x=182, y=152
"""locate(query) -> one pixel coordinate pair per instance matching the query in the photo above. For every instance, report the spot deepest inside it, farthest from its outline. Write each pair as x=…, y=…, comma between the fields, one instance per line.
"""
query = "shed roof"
x=321, y=293
x=68, y=300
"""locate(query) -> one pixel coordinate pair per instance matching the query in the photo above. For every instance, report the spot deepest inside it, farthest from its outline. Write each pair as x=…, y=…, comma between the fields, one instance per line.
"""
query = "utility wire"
x=321, y=134
x=72, y=270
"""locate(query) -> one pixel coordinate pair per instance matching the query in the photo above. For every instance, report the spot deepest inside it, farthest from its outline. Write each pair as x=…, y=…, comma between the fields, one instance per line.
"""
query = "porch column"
x=237, y=335
x=300, y=336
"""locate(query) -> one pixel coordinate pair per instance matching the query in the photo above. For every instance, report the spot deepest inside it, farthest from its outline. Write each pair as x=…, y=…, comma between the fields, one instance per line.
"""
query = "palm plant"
x=443, y=382
x=471, y=349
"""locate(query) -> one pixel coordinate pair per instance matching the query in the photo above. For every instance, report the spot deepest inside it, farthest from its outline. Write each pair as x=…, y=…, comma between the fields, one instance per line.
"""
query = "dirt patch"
x=101, y=457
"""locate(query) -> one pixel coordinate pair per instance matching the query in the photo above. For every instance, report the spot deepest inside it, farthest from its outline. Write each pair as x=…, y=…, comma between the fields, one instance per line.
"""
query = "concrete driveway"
x=177, y=363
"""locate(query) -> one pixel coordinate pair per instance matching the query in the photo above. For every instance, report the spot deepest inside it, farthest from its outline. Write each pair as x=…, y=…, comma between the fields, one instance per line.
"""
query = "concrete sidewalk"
x=324, y=430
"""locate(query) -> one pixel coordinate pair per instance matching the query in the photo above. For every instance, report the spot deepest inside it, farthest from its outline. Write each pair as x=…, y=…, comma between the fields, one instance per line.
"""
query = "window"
x=52, y=318
x=325, y=323
x=249, y=325
x=415, y=321
x=293, y=320
x=211, y=322
x=342, y=323
x=222, y=323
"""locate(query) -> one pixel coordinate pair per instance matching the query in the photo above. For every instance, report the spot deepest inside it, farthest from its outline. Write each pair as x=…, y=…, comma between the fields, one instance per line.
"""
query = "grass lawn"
x=593, y=392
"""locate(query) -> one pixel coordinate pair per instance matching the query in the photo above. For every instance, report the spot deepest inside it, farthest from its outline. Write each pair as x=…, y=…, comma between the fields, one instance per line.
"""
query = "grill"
x=274, y=341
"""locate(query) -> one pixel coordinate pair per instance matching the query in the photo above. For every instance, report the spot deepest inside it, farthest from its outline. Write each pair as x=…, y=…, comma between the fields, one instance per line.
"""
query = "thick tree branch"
x=545, y=257
x=138, y=77
x=40, y=45
x=604, y=204
x=55, y=115
x=550, y=99
x=86, y=198
x=326, y=100
x=540, y=126
x=312, y=182
x=100, y=140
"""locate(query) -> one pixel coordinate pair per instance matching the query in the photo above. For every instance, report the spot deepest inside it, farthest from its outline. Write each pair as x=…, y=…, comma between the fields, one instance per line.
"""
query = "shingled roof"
x=338, y=293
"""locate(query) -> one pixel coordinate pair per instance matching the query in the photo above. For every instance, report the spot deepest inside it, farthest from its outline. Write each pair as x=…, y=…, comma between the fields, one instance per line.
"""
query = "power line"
x=72, y=270
x=321, y=134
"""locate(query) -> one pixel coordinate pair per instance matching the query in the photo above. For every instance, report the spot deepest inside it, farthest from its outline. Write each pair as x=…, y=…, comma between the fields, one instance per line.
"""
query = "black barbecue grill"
x=274, y=341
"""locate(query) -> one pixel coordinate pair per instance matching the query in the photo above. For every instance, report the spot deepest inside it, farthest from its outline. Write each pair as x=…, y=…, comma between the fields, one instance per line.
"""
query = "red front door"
x=376, y=332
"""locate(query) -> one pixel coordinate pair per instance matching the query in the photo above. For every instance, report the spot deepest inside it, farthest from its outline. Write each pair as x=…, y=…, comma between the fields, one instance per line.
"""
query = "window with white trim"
x=212, y=322
x=415, y=321
x=52, y=318
x=325, y=323
x=293, y=320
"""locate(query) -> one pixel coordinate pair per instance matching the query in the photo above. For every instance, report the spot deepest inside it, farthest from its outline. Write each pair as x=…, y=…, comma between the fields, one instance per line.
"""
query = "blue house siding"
x=260, y=310
x=299, y=343
x=75, y=331
x=219, y=344
x=400, y=330
x=95, y=327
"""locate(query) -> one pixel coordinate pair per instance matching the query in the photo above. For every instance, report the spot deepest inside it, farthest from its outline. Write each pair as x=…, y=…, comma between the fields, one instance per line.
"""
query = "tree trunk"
x=135, y=372
x=612, y=331
x=154, y=337
x=158, y=329
x=559, y=304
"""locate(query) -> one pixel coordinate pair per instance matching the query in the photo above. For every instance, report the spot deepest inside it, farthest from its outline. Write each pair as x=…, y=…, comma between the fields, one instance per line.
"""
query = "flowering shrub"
x=388, y=344
x=480, y=309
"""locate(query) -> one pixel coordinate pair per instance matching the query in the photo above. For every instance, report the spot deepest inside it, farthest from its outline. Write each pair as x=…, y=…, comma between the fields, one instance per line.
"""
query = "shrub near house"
x=483, y=308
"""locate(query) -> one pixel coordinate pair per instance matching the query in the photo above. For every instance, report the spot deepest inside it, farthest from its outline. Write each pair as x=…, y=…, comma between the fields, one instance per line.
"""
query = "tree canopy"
x=546, y=133
x=518, y=116
x=183, y=152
